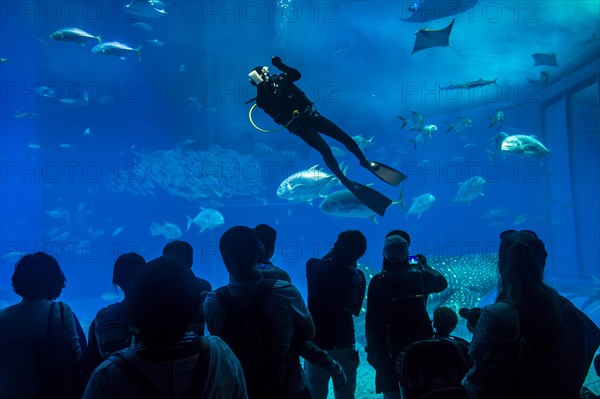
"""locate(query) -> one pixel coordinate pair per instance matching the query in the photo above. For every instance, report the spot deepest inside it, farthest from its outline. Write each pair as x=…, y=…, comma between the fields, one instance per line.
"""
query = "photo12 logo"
x=69, y=93
x=284, y=11
x=67, y=252
x=488, y=91
x=471, y=11
x=63, y=12
x=50, y=172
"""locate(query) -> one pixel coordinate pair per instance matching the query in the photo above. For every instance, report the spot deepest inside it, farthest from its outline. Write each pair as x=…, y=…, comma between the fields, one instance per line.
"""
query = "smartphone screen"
x=413, y=260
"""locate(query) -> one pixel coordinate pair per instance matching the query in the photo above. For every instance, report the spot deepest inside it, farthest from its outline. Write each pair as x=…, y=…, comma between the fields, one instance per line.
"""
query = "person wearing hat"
x=396, y=309
x=471, y=315
x=282, y=100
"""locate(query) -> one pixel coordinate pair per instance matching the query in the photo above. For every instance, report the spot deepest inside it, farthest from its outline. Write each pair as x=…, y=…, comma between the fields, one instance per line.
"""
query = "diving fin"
x=369, y=197
x=385, y=173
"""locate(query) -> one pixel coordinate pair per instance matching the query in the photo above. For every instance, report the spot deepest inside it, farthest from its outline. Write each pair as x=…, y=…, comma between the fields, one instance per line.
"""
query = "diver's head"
x=258, y=75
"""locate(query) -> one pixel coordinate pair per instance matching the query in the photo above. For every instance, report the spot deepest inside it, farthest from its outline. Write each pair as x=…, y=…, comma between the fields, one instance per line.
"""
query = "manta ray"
x=426, y=38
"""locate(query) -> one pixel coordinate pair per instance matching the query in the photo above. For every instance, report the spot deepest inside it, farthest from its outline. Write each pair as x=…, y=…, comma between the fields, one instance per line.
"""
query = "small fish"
x=339, y=51
x=499, y=119
x=465, y=122
x=424, y=134
x=429, y=128
x=34, y=146
x=169, y=230
x=95, y=98
x=497, y=213
x=415, y=120
x=87, y=131
x=74, y=35
x=146, y=8
x=25, y=115
x=460, y=125
x=520, y=219
x=58, y=213
x=117, y=231
x=470, y=189
x=4, y=60
x=65, y=145
x=181, y=68
x=451, y=127
x=45, y=91
x=60, y=237
x=68, y=101
x=363, y=143
x=144, y=26
x=155, y=42
x=206, y=219
x=116, y=49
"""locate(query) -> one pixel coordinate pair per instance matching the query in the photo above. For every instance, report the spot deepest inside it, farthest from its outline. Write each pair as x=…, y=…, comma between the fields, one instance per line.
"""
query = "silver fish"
x=344, y=204
x=470, y=189
x=74, y=35
x=306, y=185
x=206, y=219
x=169, y=230
x=420, y=204
x=521, y=144
x=116, y=49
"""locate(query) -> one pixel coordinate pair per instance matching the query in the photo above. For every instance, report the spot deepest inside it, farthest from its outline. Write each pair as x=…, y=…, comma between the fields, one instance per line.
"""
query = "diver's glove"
x=276, y=61
x=291, y=74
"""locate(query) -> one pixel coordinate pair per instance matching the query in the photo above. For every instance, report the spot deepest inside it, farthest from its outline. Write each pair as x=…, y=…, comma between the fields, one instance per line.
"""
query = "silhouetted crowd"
x=531, y=343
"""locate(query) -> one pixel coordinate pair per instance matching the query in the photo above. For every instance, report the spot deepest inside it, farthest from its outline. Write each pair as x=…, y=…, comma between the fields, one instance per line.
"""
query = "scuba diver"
x=289, y=107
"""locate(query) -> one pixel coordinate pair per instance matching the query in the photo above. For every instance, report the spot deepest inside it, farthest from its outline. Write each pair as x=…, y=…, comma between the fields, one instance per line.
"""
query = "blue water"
x=182, y=107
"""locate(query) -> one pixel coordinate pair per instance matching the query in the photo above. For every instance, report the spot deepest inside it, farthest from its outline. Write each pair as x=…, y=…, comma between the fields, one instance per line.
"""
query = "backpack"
x=250, y=336
x=147, y=386
x=426, y=366
x=406, y=316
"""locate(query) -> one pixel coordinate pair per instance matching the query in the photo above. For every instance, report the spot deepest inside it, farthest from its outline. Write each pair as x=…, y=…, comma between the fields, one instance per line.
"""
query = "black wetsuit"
x=279, y=97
